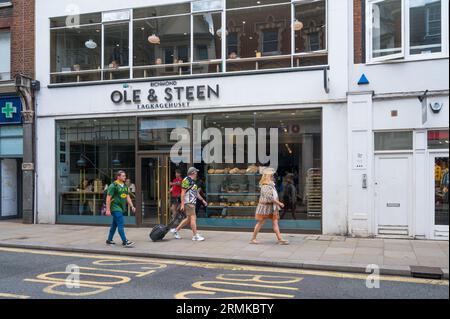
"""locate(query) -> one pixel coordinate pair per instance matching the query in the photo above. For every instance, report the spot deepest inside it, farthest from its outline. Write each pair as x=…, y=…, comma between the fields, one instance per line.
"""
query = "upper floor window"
x=5, y=54
x=198, y=37
x=5, y=3
x=407, y=29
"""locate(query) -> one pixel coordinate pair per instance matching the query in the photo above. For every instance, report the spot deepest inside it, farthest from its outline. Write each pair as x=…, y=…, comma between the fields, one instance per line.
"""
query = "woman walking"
x=268, y=207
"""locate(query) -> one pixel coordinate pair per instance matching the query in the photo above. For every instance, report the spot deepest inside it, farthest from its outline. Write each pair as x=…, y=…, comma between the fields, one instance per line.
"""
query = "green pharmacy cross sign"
x=10, y=110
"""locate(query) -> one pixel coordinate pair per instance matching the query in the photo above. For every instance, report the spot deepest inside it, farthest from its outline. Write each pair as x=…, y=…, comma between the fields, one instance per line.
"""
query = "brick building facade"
x=17, y=48
x=18, y=17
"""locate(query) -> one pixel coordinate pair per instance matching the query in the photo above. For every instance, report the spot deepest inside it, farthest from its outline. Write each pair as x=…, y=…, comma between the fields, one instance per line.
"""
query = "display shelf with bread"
x=232, y=192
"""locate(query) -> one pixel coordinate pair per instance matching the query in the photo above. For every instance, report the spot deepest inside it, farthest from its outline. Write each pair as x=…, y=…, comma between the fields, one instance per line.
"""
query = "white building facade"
x=120, y=81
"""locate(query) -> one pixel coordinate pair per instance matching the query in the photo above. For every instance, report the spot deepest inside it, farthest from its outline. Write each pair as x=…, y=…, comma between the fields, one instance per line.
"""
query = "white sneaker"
x=198, y=238
x=175, y=233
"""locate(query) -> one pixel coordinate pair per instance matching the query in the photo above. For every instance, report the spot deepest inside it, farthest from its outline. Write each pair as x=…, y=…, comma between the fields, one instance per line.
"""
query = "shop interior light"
x=81, y=163
x=90, y=44
x=298, y=25
x=219, y=33
x=154, y=39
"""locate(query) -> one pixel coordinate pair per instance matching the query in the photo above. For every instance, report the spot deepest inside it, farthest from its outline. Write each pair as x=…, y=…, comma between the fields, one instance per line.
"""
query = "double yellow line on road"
x=232, y=267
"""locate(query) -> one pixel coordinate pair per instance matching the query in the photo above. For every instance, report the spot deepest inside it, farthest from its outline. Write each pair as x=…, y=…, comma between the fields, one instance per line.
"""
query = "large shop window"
x=162, y=44
x=263, y=37
x=189, y=38
x=76, y=50
x=89, y=152
x=230, y=173
x=407, y=29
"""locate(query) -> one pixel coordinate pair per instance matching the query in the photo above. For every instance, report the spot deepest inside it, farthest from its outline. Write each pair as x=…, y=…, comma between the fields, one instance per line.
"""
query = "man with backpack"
x=118, y=196
x=189, y=196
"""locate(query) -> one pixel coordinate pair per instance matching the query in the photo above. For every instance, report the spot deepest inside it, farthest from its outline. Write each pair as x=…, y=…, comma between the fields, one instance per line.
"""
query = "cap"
x=192, y=170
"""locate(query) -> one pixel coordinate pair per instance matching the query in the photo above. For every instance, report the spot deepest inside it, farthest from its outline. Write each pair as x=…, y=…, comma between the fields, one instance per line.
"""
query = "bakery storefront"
x=230, y=149
x=230, y=87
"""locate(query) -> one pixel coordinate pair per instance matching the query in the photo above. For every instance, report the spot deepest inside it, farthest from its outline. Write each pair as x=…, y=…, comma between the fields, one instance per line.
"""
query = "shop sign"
x=10, y=110
x=165, y=95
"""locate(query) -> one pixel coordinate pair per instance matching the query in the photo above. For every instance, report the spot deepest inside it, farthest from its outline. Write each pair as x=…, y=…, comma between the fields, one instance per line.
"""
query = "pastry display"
x=232, y=192
x=252, y=169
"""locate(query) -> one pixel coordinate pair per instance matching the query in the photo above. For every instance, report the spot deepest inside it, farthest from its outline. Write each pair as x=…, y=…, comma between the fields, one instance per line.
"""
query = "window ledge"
x=190, y=76
x=399, y=61
x=5, y=5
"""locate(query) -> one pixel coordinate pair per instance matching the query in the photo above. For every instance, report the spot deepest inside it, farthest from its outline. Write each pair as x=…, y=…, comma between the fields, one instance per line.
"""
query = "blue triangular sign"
x=363, y=80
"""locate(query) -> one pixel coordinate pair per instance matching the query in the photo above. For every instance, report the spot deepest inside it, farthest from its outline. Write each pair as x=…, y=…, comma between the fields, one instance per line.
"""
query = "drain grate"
x=426, y=272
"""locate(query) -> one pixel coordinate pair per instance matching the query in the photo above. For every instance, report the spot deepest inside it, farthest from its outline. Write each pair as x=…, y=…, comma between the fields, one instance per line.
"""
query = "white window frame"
x=406, y=55
x=369, y=39
x=7, y=72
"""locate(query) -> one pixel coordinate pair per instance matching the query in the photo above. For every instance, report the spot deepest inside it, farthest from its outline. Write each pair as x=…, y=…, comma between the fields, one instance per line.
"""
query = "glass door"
x=440, y=179
x=150, y=191
x=154, y=191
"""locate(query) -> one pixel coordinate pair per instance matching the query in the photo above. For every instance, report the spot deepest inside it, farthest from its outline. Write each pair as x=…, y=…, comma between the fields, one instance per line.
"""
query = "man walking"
x=117, y=198
x=189, y=197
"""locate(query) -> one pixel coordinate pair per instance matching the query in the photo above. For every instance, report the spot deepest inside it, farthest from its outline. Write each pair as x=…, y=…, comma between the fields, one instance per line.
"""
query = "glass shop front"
x=230, y=149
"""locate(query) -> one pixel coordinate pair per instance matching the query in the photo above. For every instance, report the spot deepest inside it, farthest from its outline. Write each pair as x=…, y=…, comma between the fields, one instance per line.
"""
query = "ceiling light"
x=154, y=39
x=219, y=33
x=298, y=25
x=90, y=44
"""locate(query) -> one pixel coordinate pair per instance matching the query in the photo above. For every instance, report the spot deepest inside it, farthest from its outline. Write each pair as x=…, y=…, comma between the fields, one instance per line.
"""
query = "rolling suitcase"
x=160, y=231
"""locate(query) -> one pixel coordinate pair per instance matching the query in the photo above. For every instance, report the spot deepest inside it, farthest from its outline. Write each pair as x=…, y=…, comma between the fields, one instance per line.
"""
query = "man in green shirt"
x=117, y=198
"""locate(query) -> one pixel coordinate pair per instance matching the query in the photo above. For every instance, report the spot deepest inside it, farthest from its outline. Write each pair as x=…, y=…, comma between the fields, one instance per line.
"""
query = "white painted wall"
x=45, y=171
x=400, y=77
x=334, y=220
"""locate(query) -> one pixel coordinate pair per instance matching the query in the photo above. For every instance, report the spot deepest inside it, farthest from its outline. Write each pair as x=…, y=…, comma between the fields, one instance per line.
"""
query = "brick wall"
x=20, y=20
x=358, y=33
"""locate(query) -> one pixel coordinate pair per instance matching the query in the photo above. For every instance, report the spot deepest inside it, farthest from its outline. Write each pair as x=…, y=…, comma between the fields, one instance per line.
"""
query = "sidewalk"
x=394, y=256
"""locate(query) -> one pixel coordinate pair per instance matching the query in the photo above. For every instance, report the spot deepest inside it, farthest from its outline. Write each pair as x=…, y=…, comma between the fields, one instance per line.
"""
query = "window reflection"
x=387, y=28
x=207, y=42
x=89, y=152
x=116, y=51
x=232, y=190
x=162, y=46
x=155, y=134
x=425, y=26
x=76, y=51
x=441, y=183
x=310, y=27
x=256, y=34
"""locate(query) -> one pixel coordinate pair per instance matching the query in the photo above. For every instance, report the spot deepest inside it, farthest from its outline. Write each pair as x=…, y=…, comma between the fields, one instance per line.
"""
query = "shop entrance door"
x=153, y=190
x=439, y=169
x=393, y=191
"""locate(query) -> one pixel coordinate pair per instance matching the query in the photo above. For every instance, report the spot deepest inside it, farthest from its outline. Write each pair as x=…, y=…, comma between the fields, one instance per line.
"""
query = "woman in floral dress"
x=268, y=207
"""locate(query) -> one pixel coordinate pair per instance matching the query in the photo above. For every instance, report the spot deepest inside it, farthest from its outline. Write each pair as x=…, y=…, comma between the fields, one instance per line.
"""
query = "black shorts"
x=175, y=200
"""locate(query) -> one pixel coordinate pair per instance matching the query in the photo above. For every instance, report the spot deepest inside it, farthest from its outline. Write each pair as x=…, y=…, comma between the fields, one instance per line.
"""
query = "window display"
x=232, y=185
x=88, y=153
